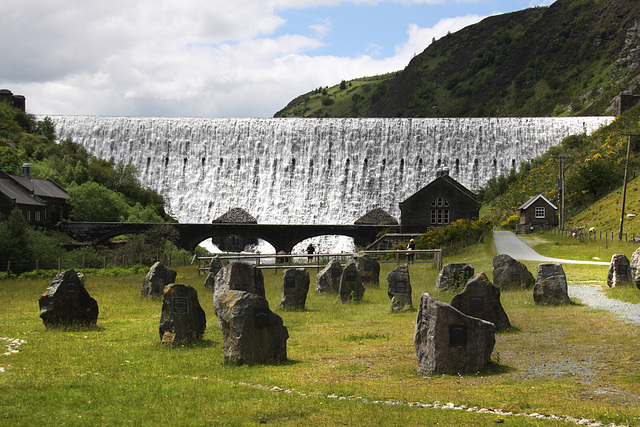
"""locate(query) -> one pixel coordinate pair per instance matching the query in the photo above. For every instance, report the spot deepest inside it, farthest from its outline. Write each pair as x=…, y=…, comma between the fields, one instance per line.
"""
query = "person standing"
x=310, y=251
x=410, y=255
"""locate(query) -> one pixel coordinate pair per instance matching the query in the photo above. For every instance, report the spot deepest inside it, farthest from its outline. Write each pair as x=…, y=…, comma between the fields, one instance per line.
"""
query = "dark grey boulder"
x=157, y=278
x=480, y=298
x=399, y=288
x=66, y=302
x=328, y=279
x=295, y=286
x=509, y=273
x=351, y=288
x=551, y=285
x=214, y=267
x=183, y=320
x=619, y=273
x=454, y=276
x=448, y=341
x=369, y=270
x=251, y=332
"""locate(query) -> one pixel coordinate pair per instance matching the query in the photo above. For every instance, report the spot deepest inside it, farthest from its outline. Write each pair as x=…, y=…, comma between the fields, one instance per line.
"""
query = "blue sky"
x=212, y=58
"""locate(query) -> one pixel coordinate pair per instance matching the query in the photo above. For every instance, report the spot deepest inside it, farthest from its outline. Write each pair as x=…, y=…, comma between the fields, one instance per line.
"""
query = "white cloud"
x=175, y=58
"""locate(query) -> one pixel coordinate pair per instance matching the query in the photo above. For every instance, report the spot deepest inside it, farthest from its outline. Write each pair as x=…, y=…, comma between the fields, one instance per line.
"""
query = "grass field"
x=345, y=362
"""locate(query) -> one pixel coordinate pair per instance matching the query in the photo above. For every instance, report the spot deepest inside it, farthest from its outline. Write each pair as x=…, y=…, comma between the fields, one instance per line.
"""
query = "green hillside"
x=571, y=58
x=594, y=177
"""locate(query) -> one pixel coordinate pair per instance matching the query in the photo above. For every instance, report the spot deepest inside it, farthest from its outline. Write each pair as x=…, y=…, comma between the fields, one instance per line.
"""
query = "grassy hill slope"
x=571, y=58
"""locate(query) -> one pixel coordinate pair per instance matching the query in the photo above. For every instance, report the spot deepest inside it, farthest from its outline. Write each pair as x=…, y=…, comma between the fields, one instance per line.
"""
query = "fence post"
x=59, y=265
x=83, y=262
x=37, y=267
x=105, y=262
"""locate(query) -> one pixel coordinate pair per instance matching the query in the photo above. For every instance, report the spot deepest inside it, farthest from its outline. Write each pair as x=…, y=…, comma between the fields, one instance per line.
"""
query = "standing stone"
x=214, y=267
x=295, y=286
x=509, y=273
x=454, y=276
x=399, y=288
x=182, y=320
x=551, y=285
x=369, y=270
x=237, y=276
x=620, y=273
x=251, y=332
x=351, y=288
x=156, y=279
x=635, y=267
x=480, y=298
x=450, y=342
x=328, y=279
x=67, y=303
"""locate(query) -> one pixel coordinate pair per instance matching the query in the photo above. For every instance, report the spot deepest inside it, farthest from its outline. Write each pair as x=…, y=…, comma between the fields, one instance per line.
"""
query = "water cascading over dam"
x=311, y=171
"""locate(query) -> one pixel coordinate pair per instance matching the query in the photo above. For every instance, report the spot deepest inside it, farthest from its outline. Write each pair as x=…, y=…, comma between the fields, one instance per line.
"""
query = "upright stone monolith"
x=619, y=273
x=251, y=332
x=454, y=276
x=214, y=267
x=480, y=298
x=551, y=285
x=509, y=273
x=157, y=278
x=399, y=288
x=369, y=270
x=67, y=303
x=328, y=279
x=351, y=288
x=183, y=320
x=295, y=286
x=450, y=342
x=635, y=267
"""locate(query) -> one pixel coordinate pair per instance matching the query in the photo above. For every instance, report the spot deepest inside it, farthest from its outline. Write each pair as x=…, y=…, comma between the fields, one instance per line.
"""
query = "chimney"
x=26, y=170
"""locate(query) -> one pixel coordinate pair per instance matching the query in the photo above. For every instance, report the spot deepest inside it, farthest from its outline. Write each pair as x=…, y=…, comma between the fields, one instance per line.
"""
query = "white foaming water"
x=311, y=171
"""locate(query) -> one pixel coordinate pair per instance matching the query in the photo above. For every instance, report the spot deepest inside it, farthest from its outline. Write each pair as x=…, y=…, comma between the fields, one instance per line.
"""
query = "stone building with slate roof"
x=537, y=213
x=442, y=201
x=42, y=201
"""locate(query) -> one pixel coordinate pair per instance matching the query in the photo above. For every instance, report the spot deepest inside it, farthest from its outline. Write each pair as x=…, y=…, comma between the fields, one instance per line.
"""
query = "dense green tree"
x=96, y=203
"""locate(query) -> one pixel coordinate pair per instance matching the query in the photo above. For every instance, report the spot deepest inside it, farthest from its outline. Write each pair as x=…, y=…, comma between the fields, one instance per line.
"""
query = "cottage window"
x=439, y=216
x=540, y=212
x=37, y=216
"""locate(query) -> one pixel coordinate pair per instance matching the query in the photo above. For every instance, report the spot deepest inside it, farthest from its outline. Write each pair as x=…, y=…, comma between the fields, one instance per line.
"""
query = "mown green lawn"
x=343, y=358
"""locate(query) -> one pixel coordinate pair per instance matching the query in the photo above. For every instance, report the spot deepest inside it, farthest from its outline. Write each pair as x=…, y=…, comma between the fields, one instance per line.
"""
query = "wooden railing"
x=318, y=261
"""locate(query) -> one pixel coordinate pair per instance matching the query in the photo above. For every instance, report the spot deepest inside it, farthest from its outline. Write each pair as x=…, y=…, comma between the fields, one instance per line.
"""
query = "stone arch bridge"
x=283, y=237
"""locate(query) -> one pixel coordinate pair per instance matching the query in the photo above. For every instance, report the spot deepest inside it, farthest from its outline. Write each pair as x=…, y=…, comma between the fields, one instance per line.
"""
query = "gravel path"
x=594, y=297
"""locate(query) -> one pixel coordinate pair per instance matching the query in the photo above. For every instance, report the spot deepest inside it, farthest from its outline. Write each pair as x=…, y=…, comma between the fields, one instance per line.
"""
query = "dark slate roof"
x=533, y=199
x=237, y=215
x=14, y=192
x=461, y=188
x=40, y=187
x=377, y=216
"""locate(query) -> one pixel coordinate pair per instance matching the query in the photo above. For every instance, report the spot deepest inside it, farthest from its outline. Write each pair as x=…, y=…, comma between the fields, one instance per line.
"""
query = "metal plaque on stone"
x=622, y=269
x=290, y=282
x=368, y=267
x=547, y=270
x=261, y=317
x=72, y=288
x=515, y=276
x=476, y=304
x=350, y=276
x=457, y=335
x=336, y=273
x=401, y=288
x=180, y=305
